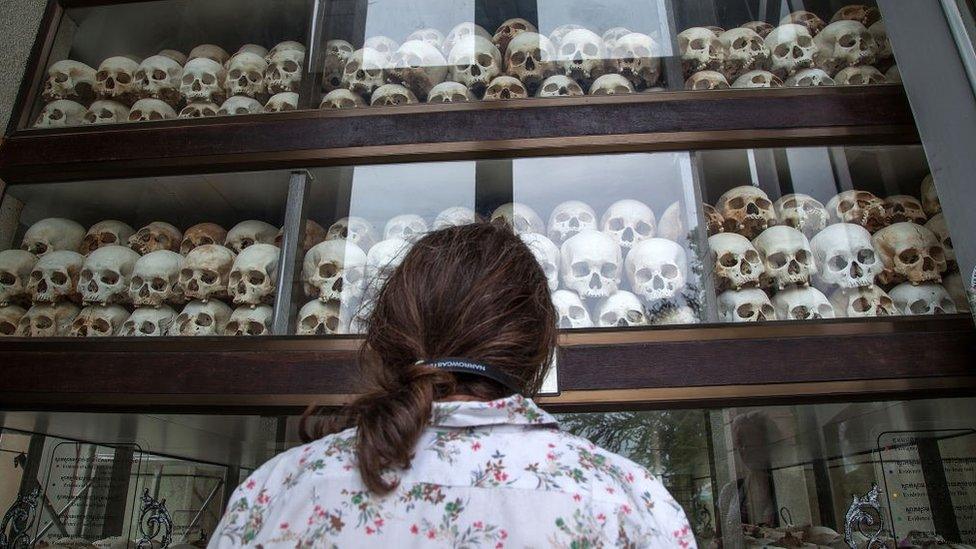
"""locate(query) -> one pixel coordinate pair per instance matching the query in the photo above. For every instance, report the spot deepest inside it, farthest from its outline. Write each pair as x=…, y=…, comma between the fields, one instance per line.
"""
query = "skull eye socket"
x=591, y=49
x=781, y=50
x=44, y=322
x=616, y=224
x=234, y=74
x=352, y=67
x=328, y=270
x=101, y=325
x=837, y=263
x=845, y=206
x=585, y=217
x=739, y=43
x=290, y=66
x=576, y=312
x=937, y=253
x=763, y=203
x=777, y=260
x=146, y=328
x=580, y=269
x=309, y=322
x=204, y=319
x=101, y=76
x=255, y=277
x=155, y=115
x=6, y=328
x=919, y=307
x=737, y=203
x=802, y=256
x=866, y=256
x=141, y=75
x=135, y=115
x=608, y=270
x=908, y=256
x=56, y=114
x=111, y=278
x=550, y=88
x=643, y=229
x=254, y=76
x=255, y=328
x=7, y=279
x=485, y=60
x=643, y=275
x=135, y=283
x=518, y=58
x=861, y=305
x=86, y=275
x=746, y=310
x=847, y=40
x=791, y=203
x=208, y=276
x=804, y=41
x=752, y=256
x=159, y=74
x=188, y=79
x=123, y=78
x=697, y=44
x=728, y=260
x=669, y=271
x=158, y=284
x=186, y=274
x=208, y=79
x=562, y=217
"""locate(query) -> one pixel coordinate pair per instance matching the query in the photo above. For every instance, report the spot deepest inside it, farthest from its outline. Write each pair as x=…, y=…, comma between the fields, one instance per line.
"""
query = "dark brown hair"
x=474, y=292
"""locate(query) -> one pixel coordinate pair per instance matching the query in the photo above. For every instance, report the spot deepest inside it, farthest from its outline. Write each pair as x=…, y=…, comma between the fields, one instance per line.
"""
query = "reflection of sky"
x=381, y=192
x=647, y=17
x=398, y=18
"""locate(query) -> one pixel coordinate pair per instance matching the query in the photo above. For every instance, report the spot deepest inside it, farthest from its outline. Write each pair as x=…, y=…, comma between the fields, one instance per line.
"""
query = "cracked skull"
x=745, y=51
x=910, y=251
x=802, y=212
x=701, y=50
x=736, y=262
x=98, y=321
x=844, y=44
x=72, y=80
x=201, y=234
x=157, y=235
x=903, y=207
x=203, y=79
x=922, y=299
x=475, y=62
x=245, y=76
x=865, y=301
x=581, y=56
x=47, y=320
x=365, y=71
x=637, y=58
x=858, y=207
x=748, y=209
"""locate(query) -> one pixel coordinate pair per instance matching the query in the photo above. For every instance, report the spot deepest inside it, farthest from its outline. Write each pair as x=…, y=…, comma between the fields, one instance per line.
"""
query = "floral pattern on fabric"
x=485, y=475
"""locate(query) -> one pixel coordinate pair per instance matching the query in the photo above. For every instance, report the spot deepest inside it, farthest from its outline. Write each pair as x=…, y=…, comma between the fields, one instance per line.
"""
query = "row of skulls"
x=170, y=84
x=469, y=63
x=802, y=51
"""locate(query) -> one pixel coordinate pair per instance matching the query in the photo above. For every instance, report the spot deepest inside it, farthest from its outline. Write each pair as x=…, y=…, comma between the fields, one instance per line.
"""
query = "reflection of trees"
x=672, y=444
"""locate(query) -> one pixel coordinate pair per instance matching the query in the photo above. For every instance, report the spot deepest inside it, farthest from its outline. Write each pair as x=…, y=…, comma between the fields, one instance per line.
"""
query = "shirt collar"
x=513, y=410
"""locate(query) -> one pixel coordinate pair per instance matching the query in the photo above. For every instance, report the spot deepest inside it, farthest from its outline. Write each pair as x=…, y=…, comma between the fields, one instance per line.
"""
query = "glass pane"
x=749, y=44
x=803, y=234
x=147, y=61
x=142, y=257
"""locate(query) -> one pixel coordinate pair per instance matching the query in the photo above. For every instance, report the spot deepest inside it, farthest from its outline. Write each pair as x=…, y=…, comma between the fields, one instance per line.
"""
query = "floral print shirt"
x=485, y=474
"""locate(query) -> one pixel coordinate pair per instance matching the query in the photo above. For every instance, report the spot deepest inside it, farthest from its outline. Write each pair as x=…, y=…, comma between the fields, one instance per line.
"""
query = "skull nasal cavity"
x=595, y=281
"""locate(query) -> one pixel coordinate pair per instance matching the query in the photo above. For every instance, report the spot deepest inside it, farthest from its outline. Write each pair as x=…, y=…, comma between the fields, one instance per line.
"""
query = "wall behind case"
x=18, y=28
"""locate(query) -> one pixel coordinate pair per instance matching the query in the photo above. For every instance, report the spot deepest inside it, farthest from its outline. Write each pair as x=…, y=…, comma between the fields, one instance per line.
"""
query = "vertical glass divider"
x=672, y=63
x=291, y=256
x=314, y=57
x=709, y=312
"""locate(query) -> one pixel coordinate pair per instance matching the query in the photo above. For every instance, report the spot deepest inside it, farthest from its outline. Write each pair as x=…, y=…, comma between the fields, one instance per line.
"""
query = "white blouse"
x=485, y=474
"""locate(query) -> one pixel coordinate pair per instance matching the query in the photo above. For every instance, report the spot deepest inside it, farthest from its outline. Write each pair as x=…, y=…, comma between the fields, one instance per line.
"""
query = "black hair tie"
x=463, y=366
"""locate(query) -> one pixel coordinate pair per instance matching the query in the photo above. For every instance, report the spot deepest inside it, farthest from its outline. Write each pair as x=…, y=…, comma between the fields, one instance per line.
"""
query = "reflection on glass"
x=192, y=61
x=142, y=257
x=825, y=233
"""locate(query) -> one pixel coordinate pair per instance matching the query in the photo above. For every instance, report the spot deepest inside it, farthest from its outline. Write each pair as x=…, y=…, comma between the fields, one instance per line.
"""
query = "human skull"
x=859, y=76
x=786, y=255
x=52, y=234
x=337, y=53
x=55, y=277
x=314, y=233
x=611, y=84
x=105, y=275
x=240, y=105
x=581, y=56
x=157, y=235
x=150, y=109
x=383, y=44
x=939, y=227
x=47, y=320
x=560, y=32
x=865, y=15
x=201, y=234
x=365, y=71
x=845, y=256
x=571, y=310
x=568, y=219
x=148, y=321
x=671, y=225
x=105, y=111
x=505, y=87
x=287, y=45
x=673, y=316
x=636, y=57
x=865, y=301
x=520, y=217
x=810, y=78
x=418, y=66
x=748, y=305
x=546, y=253
x=335, y=270
x=205, y=272
x=559, y=86
x=461, y=32
x=510, y=29
x=707, y=80
x=474, y=62
x=431, y=36
x=245, y=76
x=622, y=309
x=701, y=50
x=116, y=80
x=802, y=212
x=758, y=79
x=98, y=321
x=201, y=319
x=454, y=217
x=203, y=80
x=531, y=58
x=321, y=318
x=355, y=229
x=591, y=264
x=791, y=48
x=922, y=299
x=71, y=80
x=155, y=279
x=930, y=197
x=256, y=49
x=657, y=269
x=249, y=321
x=450, y=92
x=61, y=113
x=104, y=233
x=858, y=207
x=952, y=282
x=745, y=51
x=389, y=95
x=409, y=227
x=10, y=316
x=911, y=251
x=254, y=274
x=811, y=21
x=175, y=55
x=159, y=77
x=802, y=304
x=382, y=259
x=199, y=109
x=15, y=270
x=882, y=44
x=747, y=209
x=248, y=233
x=736, y=262
x=844, y=44
x=612, y=35
x=902, y=207
x=761, y=28
x=628, y=222
x=209, y=51
x=341, y=99
x=714, y=222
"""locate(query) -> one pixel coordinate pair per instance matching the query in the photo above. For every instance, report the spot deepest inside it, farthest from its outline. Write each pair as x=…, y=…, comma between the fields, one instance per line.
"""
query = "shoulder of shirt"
x=292, y=458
